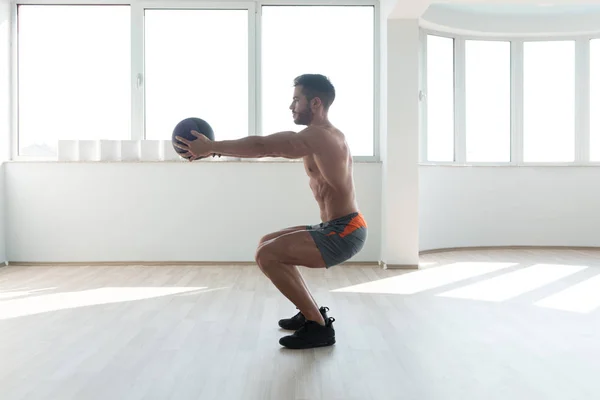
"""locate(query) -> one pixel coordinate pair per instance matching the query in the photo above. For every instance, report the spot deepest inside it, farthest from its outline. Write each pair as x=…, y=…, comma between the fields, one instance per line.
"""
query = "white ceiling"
x=416, y=8
x=515, y=20
x=521, y=9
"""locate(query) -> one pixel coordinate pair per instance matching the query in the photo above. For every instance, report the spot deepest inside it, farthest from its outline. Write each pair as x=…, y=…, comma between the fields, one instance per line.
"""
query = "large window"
x=440, y=98
x=549, y=101
x=196, y=64
x=514, y=102
x=595, y=100
x=73, y=75
x=487, y=91
x=102, y=71
x=341, y=48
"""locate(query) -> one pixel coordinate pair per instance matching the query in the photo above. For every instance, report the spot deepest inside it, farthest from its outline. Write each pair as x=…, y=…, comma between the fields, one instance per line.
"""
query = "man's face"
x=301, y=111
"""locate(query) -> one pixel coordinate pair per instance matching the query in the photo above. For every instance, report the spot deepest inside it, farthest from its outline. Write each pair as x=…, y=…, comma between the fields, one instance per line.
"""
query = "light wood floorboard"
x=481, y=325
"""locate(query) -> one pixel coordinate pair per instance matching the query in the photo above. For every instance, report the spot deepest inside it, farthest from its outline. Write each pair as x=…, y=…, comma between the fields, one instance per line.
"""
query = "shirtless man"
x=343, y=230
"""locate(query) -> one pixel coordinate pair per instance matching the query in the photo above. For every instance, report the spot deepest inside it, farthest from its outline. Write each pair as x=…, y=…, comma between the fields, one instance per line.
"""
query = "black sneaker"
x=298, y=320
x=310, y=335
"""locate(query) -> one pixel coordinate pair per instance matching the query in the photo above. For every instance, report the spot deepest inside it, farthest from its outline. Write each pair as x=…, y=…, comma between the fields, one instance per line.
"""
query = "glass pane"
x=595, y=100
x=487, y=101
x=341, y=49
x=196, y=64
x=549, y=101
x=74, y=75
x=440, y=98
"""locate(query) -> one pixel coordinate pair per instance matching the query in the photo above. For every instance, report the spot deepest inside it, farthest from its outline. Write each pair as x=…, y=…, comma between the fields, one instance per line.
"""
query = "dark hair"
x=316, y=85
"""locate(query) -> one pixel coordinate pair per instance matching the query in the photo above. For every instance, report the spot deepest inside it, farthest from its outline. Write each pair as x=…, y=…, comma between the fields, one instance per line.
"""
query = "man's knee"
x=266, y=255
x=262, y=255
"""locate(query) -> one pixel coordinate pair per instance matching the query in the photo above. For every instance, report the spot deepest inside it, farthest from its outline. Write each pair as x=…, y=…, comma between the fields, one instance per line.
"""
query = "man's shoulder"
x=322, y=133
x=313, y=130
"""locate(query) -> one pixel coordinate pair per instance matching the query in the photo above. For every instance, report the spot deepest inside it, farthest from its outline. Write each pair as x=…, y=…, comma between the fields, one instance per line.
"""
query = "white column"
x=400, y=147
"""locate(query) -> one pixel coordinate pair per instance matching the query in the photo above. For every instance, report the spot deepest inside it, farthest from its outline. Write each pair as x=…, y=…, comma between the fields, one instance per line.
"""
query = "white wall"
x=509, y=206
x=3, y=227
x=4, y=112
x=206, y=211
x=79, y=212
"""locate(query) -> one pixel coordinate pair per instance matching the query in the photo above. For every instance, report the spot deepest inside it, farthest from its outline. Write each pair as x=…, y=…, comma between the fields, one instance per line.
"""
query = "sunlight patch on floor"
x=61, y=301
x=583, y=297
x=20, y=293
x=422, y=280
x=515, y=283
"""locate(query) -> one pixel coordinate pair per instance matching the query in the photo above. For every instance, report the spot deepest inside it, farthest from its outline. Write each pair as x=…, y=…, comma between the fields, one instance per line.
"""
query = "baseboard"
x=157, y=263
x=122, y=263
x=476, y=248
x=398, y=266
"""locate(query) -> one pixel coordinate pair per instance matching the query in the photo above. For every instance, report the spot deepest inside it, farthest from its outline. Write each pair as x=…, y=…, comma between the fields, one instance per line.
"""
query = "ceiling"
x=521, y=9
x=416, y=8
x=515, y=20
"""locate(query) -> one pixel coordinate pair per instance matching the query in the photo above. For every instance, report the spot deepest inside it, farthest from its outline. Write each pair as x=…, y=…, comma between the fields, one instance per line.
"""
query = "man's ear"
x=316, y=102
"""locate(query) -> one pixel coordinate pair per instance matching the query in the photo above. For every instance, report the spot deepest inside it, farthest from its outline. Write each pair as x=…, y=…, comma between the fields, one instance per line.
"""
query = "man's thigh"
x=279, y=233
x=292, y=248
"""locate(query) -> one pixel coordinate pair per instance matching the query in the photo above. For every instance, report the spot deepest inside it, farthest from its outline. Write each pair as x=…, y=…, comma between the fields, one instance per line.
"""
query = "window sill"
x=357, y=160
x=510, y=165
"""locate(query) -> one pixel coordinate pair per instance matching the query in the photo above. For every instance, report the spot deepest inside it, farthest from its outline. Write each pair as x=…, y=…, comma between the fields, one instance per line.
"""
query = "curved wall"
x=483, y=206
x=508, y=206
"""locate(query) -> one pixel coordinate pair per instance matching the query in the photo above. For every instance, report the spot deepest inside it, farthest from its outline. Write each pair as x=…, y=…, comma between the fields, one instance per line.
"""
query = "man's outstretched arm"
x=281, y=144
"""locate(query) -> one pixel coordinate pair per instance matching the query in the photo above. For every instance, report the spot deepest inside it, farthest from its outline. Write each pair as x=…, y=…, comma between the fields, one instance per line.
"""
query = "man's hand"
x=194, y=149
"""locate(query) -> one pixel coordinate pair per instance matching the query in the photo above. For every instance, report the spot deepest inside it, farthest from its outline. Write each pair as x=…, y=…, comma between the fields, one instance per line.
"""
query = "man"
x=343, y=230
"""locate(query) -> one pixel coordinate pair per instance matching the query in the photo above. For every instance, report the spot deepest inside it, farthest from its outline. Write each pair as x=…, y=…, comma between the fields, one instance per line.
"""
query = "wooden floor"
x=514, y=324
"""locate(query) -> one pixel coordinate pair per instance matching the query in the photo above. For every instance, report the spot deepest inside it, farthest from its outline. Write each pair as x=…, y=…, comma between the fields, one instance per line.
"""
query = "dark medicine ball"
x=184, y=129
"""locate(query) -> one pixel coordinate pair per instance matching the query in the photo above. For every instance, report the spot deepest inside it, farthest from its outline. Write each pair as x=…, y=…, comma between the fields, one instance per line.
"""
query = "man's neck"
x=320, y=122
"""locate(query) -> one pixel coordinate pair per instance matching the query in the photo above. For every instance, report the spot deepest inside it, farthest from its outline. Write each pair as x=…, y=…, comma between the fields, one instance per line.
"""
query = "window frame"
x=137, y=8
x=581, y=105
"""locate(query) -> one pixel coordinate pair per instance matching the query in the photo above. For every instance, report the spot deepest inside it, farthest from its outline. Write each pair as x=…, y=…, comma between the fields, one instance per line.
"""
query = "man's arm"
x=281, y=144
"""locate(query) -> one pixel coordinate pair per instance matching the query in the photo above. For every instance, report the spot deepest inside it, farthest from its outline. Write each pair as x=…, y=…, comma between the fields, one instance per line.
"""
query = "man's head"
x=313, y=95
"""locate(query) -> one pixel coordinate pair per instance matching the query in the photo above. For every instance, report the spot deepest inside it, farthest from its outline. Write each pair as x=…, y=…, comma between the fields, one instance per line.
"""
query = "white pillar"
x=400, y=147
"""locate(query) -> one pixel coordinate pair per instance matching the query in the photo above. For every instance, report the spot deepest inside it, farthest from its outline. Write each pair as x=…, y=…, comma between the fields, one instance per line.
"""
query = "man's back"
x=330, y=173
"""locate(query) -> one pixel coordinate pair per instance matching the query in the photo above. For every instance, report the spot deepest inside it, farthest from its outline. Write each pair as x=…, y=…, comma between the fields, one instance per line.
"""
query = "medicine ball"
x=185, y=127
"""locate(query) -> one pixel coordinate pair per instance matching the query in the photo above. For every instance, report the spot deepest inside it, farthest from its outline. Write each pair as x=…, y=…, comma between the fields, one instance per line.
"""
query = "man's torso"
x=331, y=179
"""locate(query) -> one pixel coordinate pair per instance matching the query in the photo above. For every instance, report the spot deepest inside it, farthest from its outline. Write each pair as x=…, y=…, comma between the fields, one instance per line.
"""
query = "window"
x=549, y=101
x=537, y=123
x=595, y=100
x=77, y=80
x=196, y=65
x=440, y=98
x=73, y=75
x=341, y=49
x=488, y=116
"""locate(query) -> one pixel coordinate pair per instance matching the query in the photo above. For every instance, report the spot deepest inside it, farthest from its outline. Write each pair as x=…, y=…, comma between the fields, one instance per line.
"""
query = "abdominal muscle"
x=332, y=203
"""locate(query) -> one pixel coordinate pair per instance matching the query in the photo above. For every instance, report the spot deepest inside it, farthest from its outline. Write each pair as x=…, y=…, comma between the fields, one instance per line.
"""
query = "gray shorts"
x=340, y=239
